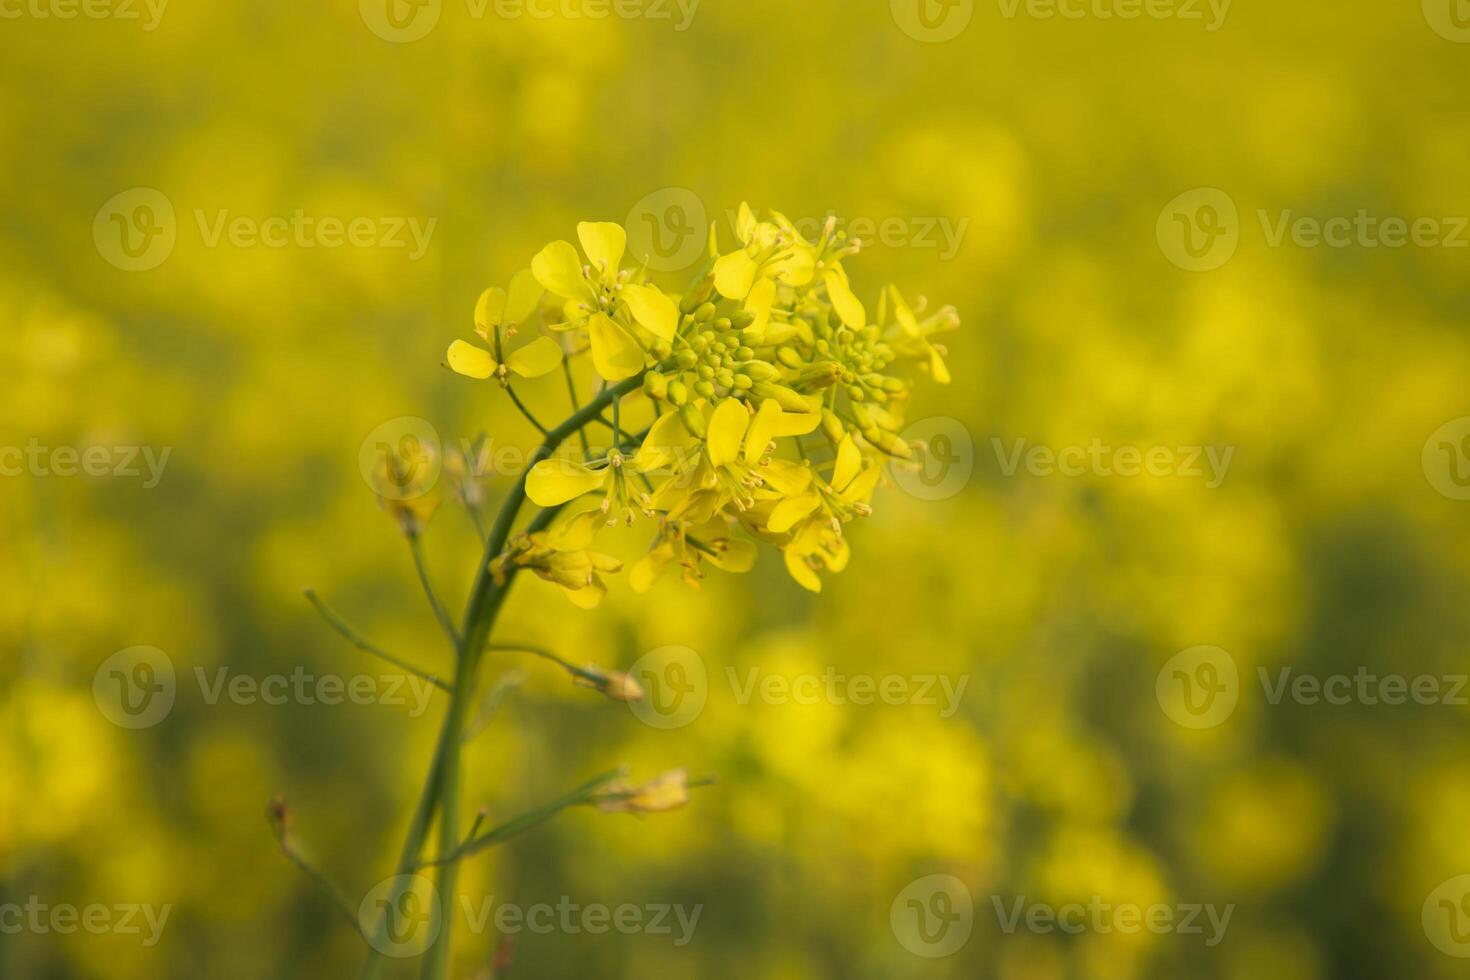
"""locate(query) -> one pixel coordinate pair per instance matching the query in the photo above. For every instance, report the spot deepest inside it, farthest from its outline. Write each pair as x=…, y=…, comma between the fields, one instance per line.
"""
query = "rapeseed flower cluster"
x=771, y=344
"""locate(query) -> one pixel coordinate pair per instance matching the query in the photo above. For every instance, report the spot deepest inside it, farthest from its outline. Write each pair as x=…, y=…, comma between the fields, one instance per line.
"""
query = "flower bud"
x=655, y=386
x=785, y=397
x=693, y=420
x=759, y=371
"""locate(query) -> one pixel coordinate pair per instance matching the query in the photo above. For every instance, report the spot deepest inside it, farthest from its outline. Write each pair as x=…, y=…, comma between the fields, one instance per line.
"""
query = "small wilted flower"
x=401, y=480
x=614, y=684
x=665, y=792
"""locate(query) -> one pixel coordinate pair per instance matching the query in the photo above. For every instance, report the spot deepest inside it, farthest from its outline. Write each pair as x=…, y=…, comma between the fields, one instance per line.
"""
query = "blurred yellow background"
x=1113, y=205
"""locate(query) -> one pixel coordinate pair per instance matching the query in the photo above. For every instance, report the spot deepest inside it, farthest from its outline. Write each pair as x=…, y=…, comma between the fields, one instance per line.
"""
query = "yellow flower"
x=768, y=251
x=499, y=308
x=553, y=482
x=600, y=299
x=729, y=463
x=691, y=546
x=911, y=338
x=562, y=555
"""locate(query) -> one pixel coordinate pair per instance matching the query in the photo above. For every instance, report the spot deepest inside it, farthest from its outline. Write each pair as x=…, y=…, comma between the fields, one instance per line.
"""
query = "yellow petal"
x=727, y=427
x=555, y=481
x=541, y=356
x=762, y=430
x=604, y=243
x=849, y=462
x=862, y=486
x=904, y=313
x=489, y=310
x=589, y=596
x=615, y=352
x=762, y=298
x=800, y=423
x=738, y=556
x=735, y=275
x=791, y=510
x=665, y=443
x=558, y=268
x=654, y=311
x=745, y=224
x=786, y=477
x=937, y=368
x=802, y=572
x=577, y=531
x=471, y=361
x=847, y=305
x=523, y=298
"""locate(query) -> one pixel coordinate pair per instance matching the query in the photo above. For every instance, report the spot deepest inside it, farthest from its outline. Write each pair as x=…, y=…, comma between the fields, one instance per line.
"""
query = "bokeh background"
x=1335, y=542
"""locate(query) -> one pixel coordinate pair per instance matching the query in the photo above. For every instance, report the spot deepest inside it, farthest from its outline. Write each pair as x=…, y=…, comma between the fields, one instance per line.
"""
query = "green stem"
x=485, y=602
x=440, y=613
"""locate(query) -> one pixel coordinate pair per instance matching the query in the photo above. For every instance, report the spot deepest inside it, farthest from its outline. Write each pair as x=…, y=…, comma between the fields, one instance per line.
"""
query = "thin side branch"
x=356, y=639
